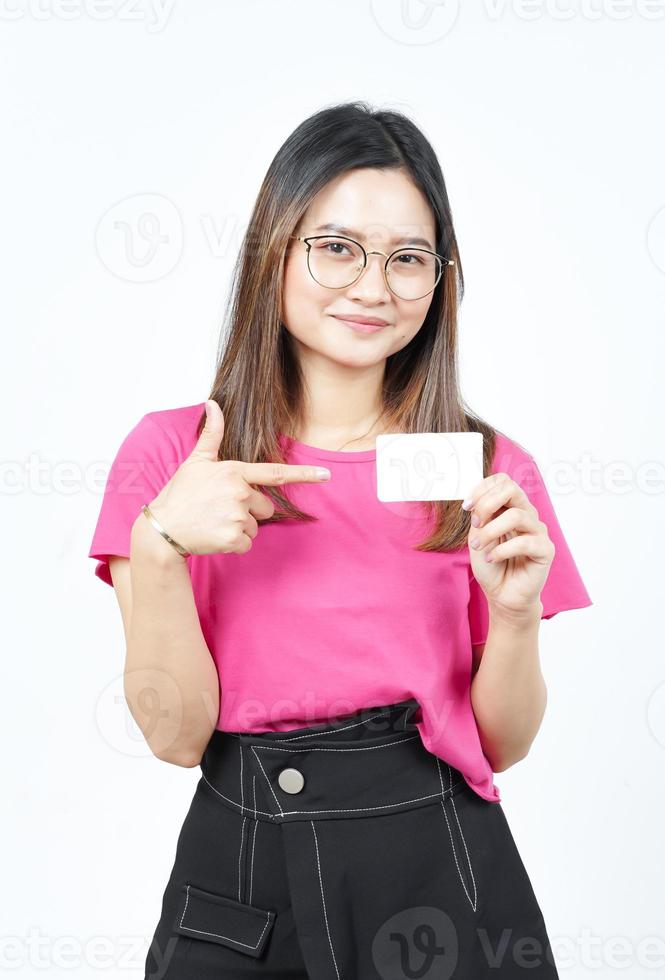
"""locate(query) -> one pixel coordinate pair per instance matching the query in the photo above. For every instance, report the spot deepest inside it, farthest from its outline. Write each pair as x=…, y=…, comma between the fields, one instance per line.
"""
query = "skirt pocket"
x=453, y=808
x=213, y=918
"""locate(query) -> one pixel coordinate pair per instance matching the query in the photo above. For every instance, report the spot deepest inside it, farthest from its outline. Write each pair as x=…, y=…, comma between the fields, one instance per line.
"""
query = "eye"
x=335, y=245
x=332, y=247
x=409, y=255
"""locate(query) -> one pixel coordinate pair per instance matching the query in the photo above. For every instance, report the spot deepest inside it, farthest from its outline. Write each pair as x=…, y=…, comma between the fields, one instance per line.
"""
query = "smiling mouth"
x=361, y=326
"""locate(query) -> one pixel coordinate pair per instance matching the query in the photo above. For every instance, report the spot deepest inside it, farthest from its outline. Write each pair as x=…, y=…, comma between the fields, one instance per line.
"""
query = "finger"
x=260, y=505
x=513, y=519
x=207, y=445
x=502, y=491
x=245, y=528
x=274, y=474
x=471, y=499
x=537, y=547
x=245, y=544
x=250, y=527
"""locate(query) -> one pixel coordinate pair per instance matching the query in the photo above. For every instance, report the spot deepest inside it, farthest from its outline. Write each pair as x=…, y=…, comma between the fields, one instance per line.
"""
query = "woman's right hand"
x=209, y=505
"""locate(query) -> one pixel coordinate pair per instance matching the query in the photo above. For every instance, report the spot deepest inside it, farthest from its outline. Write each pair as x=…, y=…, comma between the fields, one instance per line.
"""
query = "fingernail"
x=322, y=473
x=467, y=503
x=475, y=520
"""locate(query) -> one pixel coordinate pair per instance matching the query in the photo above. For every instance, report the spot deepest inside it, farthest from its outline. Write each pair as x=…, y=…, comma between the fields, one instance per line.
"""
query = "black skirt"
x=344, y=851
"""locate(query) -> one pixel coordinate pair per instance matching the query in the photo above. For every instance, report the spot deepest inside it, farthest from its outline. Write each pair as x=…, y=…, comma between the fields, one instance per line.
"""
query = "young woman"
x=349, y=674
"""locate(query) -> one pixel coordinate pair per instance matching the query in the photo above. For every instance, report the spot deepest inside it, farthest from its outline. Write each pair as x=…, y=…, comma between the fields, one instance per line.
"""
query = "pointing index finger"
x=274, y=474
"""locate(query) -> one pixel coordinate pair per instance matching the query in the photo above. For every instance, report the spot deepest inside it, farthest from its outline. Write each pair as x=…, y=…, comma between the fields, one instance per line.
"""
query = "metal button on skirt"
x=344, y=851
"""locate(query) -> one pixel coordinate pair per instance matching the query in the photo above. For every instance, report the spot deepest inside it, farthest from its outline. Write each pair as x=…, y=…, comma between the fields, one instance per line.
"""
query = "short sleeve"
x=564, y=587
x=144, y=463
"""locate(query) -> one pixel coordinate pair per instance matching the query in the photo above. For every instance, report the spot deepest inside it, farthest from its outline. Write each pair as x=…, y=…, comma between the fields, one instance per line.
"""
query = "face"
x=381, y=207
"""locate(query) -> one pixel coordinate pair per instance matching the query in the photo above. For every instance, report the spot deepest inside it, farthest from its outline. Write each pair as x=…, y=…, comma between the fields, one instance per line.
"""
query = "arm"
x=170, y=679
x=508, y=692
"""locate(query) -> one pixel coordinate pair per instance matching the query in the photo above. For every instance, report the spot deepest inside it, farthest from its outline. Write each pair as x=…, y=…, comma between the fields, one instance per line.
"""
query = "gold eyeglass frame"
x=307, y=239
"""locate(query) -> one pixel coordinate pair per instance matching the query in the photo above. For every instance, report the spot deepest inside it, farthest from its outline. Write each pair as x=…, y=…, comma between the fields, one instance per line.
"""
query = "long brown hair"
x=258, y=383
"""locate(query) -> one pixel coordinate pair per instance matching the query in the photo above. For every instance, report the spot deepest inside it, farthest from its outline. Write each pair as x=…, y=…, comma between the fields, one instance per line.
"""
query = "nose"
x=372, y=286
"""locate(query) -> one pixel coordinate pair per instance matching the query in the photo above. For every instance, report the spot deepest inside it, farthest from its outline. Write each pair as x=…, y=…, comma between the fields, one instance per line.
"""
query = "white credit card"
x=428, y=465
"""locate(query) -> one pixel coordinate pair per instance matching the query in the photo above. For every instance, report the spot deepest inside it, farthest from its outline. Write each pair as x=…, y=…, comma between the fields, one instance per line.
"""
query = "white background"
x=547, y=119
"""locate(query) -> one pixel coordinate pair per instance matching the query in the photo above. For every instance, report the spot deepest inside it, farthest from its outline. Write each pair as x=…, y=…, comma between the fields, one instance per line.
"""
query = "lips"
x=369, y=321
x=362, y=324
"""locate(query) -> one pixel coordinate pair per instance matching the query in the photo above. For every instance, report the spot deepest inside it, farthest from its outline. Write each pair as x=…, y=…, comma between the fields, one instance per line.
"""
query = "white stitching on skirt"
x=242, y=837
x=323, y=898
x=268, y=781
x=361, y=809
x=264, y=813
x=473, y=903
x=256, y=827
x=242, y=832
x=368, y=748
x=438, y=766
x=335, y=730
x=452, y=800
x=459, y=872
x=242, y=792
x=202, y=932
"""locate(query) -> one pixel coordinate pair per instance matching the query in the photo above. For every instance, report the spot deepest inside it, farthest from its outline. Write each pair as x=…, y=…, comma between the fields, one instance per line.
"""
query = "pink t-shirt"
x=323, y=618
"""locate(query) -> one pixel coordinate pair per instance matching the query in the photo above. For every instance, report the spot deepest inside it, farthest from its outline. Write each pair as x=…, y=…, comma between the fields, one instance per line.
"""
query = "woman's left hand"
x=511, y=533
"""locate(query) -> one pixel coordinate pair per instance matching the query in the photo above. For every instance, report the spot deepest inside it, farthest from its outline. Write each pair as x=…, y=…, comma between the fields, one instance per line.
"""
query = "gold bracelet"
x=153, y=520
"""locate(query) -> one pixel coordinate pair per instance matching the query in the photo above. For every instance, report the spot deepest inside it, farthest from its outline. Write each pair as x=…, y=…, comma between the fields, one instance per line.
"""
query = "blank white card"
x=428, y=465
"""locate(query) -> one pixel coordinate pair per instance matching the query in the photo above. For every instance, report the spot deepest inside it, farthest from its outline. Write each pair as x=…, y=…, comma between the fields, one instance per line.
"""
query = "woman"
x=377, y=662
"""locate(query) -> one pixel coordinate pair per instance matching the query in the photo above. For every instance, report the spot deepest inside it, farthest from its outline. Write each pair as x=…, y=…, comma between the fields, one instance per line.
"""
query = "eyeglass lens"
x=337, y=262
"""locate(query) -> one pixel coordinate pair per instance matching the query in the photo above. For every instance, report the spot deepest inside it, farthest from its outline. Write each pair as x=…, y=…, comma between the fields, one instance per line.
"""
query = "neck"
x=342, y=403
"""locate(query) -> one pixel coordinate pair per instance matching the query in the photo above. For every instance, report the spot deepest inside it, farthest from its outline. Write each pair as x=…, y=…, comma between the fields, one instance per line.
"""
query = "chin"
x=351, y=351
x=356, y=359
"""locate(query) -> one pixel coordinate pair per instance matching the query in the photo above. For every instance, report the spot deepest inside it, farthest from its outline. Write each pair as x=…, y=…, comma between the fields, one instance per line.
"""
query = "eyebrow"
x=352, y=233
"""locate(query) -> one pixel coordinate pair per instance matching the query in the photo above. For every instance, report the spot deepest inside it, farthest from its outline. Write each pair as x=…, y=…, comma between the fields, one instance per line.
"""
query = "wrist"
x=147, y=543
x=515, y=619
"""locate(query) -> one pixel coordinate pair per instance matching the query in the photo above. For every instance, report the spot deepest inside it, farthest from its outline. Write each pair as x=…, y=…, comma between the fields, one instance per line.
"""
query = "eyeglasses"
x=337, y=262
